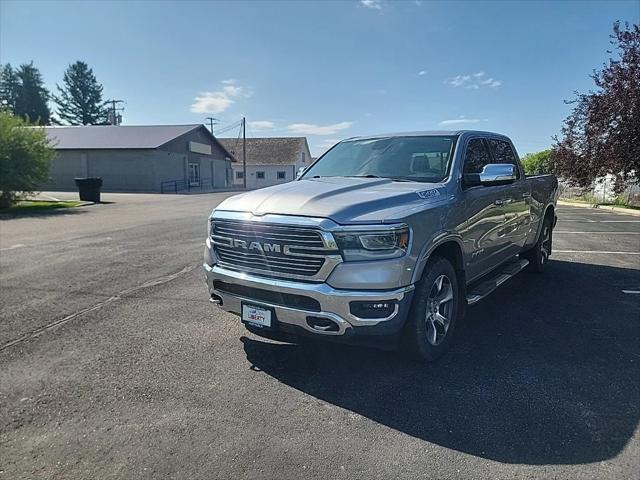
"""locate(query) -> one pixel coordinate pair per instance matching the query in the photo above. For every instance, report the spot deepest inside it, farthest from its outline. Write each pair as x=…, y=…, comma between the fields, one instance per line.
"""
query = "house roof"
x=267, y=151
x=116, y=137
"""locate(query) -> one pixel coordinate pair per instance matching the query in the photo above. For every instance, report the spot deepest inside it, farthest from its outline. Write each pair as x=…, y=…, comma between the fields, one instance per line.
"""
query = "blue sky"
x=327, y=70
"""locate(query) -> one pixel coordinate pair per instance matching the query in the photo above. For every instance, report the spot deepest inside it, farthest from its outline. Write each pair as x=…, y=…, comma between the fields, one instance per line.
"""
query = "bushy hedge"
x=538, y=163
x=25, y=158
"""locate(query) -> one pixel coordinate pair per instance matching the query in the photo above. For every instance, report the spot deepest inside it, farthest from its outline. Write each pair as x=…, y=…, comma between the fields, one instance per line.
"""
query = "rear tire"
x=434, y=312
x=539, y=255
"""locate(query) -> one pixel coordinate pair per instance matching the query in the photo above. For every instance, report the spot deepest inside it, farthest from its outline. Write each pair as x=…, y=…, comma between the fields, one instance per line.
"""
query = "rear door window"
x=503, y=153
x=476, y=156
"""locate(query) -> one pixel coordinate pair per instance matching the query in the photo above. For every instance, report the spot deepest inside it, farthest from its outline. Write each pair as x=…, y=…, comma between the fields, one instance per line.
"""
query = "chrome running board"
x=486, y=287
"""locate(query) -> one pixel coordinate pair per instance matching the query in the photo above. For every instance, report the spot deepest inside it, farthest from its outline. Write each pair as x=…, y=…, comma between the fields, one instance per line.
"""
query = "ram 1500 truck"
x=383, y=240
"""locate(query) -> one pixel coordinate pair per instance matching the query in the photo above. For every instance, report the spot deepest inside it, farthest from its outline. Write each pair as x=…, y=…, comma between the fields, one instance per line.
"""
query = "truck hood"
x=342, y=199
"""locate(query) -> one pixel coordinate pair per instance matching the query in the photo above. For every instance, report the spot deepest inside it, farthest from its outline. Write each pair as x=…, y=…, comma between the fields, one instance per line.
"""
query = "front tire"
x=434, y=312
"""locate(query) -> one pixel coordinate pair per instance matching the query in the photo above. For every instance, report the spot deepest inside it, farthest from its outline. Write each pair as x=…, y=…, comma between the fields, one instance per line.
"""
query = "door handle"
x=526, y=195
x=499, y=202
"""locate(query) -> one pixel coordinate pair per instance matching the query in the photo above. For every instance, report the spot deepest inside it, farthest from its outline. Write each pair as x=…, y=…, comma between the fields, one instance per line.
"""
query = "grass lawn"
x=26, y=206
x=631, y=207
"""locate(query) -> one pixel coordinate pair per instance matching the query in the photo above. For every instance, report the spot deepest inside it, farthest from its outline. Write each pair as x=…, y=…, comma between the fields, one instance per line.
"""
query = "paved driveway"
x=114, y=365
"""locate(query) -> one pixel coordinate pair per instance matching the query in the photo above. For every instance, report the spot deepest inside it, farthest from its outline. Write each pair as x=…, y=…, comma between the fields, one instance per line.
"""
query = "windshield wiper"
x=368, y=175
x=393, y=179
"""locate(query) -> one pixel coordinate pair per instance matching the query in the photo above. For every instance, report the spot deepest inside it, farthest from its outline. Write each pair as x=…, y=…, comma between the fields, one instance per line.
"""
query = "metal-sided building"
x=149, y=158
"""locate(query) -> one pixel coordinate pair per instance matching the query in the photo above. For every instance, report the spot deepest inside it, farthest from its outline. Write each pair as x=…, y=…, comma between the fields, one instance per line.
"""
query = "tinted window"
x=260, y=175
x=503, y=153
x=476, y=156
x=281, y=175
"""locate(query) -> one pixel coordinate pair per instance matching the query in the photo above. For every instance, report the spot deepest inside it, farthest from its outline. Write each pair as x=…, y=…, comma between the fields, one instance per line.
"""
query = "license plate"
x=256, y=315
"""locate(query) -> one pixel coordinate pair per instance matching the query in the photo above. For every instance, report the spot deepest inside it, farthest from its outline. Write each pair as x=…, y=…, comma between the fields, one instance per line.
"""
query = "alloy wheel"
x=439, y=310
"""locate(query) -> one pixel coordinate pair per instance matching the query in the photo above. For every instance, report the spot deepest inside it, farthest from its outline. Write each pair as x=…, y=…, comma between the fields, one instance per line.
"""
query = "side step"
x=484, y=288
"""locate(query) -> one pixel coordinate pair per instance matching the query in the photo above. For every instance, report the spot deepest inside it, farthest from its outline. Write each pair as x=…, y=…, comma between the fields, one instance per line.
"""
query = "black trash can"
x=89, y=189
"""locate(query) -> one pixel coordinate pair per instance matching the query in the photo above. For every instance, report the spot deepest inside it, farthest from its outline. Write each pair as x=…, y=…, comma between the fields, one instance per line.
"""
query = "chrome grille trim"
x=274, y=249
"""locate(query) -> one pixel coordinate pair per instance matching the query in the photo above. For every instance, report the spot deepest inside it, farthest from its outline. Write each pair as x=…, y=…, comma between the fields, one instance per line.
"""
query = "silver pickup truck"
x=384, y=240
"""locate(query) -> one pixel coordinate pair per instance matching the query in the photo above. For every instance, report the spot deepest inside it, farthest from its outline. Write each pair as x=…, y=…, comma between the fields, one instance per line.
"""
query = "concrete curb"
x=611, y=208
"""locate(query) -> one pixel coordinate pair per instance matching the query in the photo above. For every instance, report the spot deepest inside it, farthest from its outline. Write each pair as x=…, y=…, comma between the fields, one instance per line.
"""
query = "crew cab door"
x=516, y=201
x=484, y=237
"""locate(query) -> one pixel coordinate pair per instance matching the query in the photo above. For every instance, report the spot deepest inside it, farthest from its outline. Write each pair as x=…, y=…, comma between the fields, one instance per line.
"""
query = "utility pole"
x=244, y=152
x=212, y=122
x=114, y=120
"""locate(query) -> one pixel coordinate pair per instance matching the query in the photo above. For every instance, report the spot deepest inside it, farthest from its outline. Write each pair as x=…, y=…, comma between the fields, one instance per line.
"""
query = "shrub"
x=25, y=158
x=538, y=163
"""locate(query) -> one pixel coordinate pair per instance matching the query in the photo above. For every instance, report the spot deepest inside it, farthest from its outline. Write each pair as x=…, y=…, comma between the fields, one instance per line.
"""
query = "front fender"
x=431, y=245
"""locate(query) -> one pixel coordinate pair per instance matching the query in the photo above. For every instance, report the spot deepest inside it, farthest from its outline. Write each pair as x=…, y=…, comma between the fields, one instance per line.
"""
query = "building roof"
x=267, y=151
x=115, y=137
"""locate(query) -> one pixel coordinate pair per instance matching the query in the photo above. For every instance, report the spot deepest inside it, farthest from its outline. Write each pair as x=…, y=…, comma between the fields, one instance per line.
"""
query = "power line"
x=229, y=127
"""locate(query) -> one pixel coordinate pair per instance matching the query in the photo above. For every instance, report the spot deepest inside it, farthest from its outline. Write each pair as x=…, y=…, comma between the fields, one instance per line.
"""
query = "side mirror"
x=301, y=170
x=492, y=174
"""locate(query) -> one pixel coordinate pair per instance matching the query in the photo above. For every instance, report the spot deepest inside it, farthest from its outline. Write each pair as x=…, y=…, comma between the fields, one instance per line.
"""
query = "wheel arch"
x=549, y=211
x=449, y=247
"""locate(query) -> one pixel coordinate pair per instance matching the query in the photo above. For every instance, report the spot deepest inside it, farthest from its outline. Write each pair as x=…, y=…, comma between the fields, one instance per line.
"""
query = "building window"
x=194, y=174
x=282, y=175
x=260, y=175
x=304, y=155
x=239, y=175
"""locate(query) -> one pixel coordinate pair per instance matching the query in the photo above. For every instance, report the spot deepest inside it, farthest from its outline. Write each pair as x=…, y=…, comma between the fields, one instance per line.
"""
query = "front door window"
x=194, y=174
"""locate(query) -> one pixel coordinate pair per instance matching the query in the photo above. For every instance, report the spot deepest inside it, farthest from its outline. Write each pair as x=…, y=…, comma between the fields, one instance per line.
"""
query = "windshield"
x=420, y=159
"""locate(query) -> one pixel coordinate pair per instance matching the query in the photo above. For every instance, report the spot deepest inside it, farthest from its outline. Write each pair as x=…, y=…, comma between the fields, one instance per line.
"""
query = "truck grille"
x=269, y=249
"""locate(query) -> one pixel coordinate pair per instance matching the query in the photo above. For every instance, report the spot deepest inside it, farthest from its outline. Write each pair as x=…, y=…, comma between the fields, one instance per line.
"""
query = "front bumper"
x=333, y=303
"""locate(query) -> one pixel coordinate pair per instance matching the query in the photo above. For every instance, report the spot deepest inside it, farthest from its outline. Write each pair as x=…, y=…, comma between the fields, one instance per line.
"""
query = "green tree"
x=25, y=158
x=9, y=85
x=538, y=163
x=22, y=91
x=80, y=98
x=31, y=101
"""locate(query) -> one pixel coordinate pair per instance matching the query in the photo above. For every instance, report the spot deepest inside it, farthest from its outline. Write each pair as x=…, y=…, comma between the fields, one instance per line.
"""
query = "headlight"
x=373, y=244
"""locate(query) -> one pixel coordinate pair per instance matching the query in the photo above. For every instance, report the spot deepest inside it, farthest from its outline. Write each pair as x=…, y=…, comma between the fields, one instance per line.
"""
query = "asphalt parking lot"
x=113, y=364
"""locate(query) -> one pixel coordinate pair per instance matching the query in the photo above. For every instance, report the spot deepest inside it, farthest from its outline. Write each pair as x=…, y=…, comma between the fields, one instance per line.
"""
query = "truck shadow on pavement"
x=545, y=371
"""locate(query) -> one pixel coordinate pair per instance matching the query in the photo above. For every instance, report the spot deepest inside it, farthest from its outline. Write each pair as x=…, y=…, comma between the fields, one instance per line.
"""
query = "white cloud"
x=459, y=121
x=458, y=80
x=312, y=129
x=422, y=72
x=259, y=125
x=232, y=90
x=374, y=4
x=491, y=82
x=211, y=102
x=220, y=100
x=473, y=81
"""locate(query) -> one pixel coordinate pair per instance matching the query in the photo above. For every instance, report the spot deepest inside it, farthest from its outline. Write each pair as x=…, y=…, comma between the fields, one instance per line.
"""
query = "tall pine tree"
x=80, y=98
x=22, y=91
x=9, y=85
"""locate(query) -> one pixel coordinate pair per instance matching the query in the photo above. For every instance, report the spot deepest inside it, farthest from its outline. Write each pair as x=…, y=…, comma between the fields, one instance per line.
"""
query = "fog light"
x=377, y=309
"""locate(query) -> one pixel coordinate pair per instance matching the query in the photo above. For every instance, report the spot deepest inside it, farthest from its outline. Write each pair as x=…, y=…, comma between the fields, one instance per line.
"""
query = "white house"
x=269, y=160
